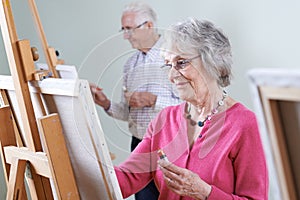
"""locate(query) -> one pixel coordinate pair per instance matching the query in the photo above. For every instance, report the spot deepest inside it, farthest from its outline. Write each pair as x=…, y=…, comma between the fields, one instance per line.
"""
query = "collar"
x=154, y=52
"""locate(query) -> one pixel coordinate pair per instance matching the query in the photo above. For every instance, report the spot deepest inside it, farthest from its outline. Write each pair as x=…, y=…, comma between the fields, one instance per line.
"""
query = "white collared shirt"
x=142, y=73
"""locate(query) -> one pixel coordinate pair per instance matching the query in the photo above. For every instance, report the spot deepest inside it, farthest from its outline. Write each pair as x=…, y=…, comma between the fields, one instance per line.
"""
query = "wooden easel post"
x=22, y=69
x=7, y=136
x=13, y=50
x=17, y=179
x=49, y=52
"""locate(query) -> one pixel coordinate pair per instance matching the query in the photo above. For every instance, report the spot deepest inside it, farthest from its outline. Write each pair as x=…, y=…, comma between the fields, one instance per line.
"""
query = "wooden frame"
x=90, y=158
x=277, y=102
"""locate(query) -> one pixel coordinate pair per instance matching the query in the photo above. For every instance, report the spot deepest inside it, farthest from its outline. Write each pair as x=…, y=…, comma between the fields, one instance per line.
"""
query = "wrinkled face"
x=136, y=34
x=188, y=75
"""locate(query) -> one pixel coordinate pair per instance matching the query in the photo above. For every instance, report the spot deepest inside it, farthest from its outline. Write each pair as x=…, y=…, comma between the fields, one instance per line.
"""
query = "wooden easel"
x=276, y=95
x=279, y=136
x=39, y=166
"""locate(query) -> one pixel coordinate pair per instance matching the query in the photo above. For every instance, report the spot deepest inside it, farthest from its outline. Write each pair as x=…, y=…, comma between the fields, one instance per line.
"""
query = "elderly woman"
x=212, y=142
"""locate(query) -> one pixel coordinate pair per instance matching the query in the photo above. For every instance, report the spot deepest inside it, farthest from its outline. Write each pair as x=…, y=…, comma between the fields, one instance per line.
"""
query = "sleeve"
x=137, y=171
x=121, y=110
x=167, y=98
x=249, y=166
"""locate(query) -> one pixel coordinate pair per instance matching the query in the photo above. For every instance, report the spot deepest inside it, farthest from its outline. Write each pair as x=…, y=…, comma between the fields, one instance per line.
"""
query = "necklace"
x=209, y=116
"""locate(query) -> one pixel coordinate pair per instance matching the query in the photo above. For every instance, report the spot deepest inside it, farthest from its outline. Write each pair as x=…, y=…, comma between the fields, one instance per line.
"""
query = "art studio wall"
x=264, y=34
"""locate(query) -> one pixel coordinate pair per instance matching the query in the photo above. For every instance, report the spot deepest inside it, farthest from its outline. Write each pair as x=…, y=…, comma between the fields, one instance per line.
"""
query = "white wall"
x=264, y=33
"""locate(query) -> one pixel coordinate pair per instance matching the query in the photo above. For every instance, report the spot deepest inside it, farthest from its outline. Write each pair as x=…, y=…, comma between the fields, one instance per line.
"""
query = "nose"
x=126, y=35
x=173, y=73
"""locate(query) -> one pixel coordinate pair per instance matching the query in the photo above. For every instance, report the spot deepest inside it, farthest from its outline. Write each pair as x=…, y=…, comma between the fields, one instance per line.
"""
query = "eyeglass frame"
x=178, y=66
x=131, y=30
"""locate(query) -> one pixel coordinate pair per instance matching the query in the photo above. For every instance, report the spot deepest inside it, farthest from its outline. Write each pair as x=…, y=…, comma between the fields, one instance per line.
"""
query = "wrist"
x=209, y=188
x=106, y=107
x=153, y=101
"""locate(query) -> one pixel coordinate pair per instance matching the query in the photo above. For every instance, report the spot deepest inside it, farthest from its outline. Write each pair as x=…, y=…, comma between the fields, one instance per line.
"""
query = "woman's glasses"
x=179, y=64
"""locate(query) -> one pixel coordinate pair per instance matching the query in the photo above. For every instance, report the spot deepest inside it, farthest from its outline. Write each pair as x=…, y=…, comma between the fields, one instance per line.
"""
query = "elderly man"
x=147, y=89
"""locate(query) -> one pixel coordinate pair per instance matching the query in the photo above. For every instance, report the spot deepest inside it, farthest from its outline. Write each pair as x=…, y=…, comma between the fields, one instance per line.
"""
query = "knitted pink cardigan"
x=229, y=156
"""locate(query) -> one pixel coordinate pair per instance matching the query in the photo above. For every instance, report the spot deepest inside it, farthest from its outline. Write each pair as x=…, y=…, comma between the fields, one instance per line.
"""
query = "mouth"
x=181, y=84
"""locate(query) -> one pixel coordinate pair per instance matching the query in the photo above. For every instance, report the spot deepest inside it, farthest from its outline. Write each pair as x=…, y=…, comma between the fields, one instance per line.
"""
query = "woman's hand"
x=183, y=181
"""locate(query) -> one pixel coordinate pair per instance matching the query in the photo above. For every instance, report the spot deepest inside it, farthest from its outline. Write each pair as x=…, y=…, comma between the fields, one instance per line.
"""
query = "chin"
x=133, y=45
x=185, y=95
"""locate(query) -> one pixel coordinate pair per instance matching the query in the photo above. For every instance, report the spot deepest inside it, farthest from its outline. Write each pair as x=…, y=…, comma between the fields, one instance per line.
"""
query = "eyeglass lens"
x=180, y=64
x=130, y=30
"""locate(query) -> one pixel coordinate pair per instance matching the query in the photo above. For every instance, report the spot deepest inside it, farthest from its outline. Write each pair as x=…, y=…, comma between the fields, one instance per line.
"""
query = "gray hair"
x=203, y=38
x=144, y=12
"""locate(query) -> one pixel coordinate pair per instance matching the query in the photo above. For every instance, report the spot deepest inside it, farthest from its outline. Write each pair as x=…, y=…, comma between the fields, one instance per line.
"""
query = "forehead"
x=173, y=56
x=172, y=53
x=169, y=49
x=128, y=19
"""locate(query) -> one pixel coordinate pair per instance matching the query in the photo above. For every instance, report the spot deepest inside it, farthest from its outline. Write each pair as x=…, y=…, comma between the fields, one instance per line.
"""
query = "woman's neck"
x=207, y=104
x=210, y=106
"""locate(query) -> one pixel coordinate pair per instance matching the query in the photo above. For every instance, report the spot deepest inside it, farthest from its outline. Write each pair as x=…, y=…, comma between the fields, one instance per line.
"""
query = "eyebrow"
x=178, y=57
x=125, y=27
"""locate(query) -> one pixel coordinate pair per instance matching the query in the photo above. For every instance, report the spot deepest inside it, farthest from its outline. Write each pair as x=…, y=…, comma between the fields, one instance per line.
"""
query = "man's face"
x=136, y=34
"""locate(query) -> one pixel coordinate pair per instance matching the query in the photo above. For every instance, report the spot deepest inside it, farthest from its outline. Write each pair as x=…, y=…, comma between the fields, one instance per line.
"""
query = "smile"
x=180, y=84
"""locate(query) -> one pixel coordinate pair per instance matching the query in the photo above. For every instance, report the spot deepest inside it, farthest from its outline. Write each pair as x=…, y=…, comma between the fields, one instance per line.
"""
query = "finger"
x=181, y=178
x=173, y=168
x=177, y=187
x=95, y=88
x=170, y=166
x=167, y=180
x=92, y=84
x=173, y=185
x=169, y=174
x=127, y=96
x=163, y=162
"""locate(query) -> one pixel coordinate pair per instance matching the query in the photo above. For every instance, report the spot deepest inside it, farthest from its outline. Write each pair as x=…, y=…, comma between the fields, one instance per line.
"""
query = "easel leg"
x=30, y=182
x=36, y=182
x=16, y=180
x=7, y=136
x=6, y=102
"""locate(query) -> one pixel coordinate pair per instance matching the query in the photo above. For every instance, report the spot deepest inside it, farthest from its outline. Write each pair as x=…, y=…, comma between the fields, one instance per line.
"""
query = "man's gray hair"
x=203, y=38
x=144, y=12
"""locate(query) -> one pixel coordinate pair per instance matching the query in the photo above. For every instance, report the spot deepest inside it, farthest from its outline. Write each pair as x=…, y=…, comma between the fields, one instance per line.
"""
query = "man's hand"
x=99, y=97
x=140, y=99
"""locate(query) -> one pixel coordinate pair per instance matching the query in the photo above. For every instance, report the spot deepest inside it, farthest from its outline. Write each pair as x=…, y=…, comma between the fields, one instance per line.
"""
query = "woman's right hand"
x=183, y=181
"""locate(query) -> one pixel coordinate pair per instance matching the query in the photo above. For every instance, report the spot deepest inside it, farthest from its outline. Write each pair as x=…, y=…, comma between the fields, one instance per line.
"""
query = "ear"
x=150, y=24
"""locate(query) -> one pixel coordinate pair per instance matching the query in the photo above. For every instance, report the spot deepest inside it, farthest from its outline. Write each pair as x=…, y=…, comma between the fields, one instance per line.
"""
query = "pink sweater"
x=229, y=156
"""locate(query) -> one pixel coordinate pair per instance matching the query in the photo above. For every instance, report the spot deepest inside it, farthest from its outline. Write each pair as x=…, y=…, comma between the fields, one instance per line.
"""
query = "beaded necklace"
x=209, y=116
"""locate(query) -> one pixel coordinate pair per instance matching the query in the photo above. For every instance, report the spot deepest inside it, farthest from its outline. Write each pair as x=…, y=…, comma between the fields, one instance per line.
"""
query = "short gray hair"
x=144, y=12
x=203, y=38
